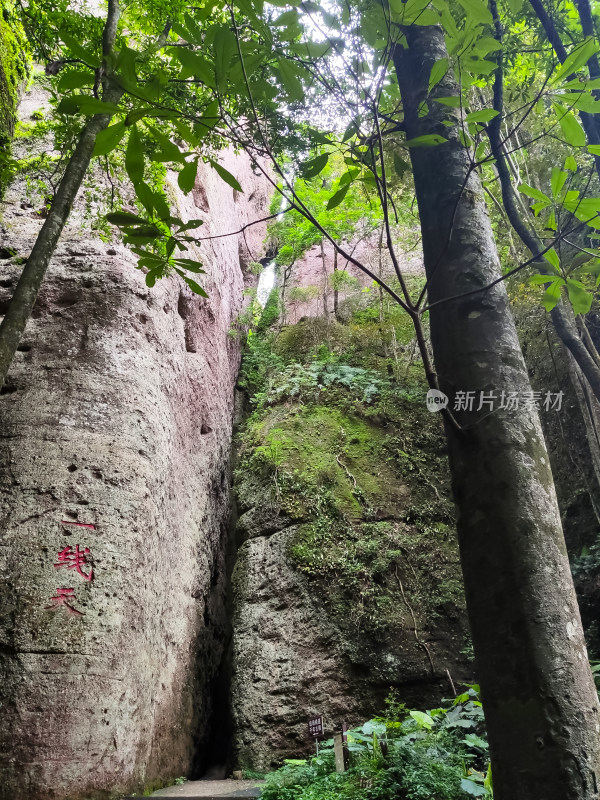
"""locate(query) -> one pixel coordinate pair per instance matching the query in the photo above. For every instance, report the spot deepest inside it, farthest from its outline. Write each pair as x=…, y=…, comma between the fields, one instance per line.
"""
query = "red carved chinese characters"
x=62, y=598
x=75, y=559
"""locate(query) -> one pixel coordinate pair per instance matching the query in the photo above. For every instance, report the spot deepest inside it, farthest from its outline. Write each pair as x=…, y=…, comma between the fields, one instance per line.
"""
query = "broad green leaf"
x=83, y=53
x=428, y=140
x=581, y=300
x=581, y=85
x=475, y=741
x=481, y=66
x=485, y=45
x=134, y=157
x=540, y=279
x=422, y=719
x=123, y=219
x=552, y=294
x=188, y=263
x=485, y=115
x=594, y=149
x=75, y=80
x=400, y=165
x=451, y=102
x=225, y=47
x=472, y=788
x=226, y=175
x=571, y=164
x=287, y=18
x=195, y=64
x=552, y=258
x=338, y=197
x=84, y=104
x=312, y=168
x=477, y=11
x=187, y=177
x=195, y=287
x=557, y=181
x=290, y=79
x=576, y=59
x=108, y=139
x=570, y=127
x=168, y=149
x=439, y=69
x=530, y=191
x=313, y=49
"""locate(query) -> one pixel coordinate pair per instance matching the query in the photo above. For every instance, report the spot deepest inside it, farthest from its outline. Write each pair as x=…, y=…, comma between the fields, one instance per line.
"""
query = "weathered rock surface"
x=347, y=579
x=115, y=428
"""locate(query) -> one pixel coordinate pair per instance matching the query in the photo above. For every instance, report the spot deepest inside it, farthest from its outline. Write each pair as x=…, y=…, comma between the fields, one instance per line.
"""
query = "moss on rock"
x=15, y=64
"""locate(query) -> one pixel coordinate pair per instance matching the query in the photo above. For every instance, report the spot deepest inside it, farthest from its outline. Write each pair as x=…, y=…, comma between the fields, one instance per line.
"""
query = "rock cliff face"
x=115, y=427
x=347, y=581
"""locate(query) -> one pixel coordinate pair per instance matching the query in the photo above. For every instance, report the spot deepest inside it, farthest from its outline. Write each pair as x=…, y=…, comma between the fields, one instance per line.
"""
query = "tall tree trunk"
x=539, y=697
x=28, y=287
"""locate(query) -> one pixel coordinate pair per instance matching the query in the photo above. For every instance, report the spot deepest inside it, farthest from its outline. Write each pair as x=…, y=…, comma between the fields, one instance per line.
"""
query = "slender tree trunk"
x=539, y=697
x=336, y=291
x=28, y=287
x=589, y=122
x=562, y=319
x=325, y=306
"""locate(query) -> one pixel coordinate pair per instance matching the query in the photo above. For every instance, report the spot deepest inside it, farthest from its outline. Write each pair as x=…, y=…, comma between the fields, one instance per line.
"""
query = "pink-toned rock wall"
x=115, y=429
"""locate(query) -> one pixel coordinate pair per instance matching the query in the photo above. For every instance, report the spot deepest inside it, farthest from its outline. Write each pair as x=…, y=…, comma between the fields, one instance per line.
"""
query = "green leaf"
x=438, y=70
x=87, y=56
x=108, y=139
x=313, y=49
x=195, y=64
x=530, y=191
x=571, y=164
x=188, y=263
x=576, y=59
x=224, y=48
x=312, y=168
x=226, y=175
x=187, y=177
x=75, y=80
x=422, y=719
x=134, y=157
x=581, y=300
x=84, y=104
x=338, y=197
x=557, y=181
x=570, y=127
x=477, y=11
x=451, y=102
x=472, y=788
x=195, y=287
x=123, y=219
x=168, y=149
x=594, y=149
x=428, y=140
x=475, y=741
x=552, y=258
x=552, y=294
x=400, y=165
x=485, y=115
x=290, y=79
x=287, y=18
